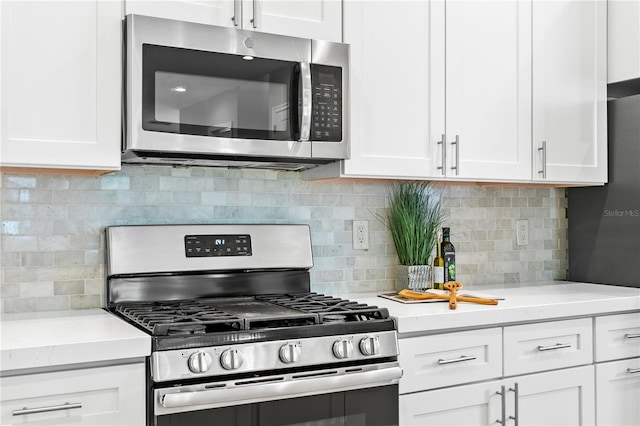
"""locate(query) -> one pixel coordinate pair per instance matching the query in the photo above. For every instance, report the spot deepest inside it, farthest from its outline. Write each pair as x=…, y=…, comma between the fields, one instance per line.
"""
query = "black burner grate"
x=327, y=307
x=172, y=318
x=215, y=315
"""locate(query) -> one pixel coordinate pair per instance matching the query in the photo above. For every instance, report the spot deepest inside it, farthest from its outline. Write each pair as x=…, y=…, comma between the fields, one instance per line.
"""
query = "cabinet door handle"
x=457, y=144
x=254, y=19
x=235, y=18
x=516, y=395
x=503, y=398
x=631, y=336
x=543, y=151
x=633, y=370
x=463, y=358
x=444, y=154
x=65, y=406
x=554, y=347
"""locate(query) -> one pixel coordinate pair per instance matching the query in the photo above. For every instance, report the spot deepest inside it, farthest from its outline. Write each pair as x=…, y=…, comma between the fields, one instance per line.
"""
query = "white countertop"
x=523, y=303
x=53, y=339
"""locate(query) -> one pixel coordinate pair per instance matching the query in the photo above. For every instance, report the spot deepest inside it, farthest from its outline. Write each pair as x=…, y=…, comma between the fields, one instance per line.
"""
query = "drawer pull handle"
x=454, y=360
x=65, y=406
x=554, y=347
x=633, y=370
x=632, y=336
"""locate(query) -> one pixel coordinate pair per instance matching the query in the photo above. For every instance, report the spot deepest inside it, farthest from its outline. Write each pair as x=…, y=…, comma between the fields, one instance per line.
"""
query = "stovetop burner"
x=225, y=314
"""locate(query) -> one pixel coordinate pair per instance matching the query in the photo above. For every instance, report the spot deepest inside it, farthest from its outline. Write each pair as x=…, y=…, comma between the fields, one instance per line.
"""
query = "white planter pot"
x=414, y=277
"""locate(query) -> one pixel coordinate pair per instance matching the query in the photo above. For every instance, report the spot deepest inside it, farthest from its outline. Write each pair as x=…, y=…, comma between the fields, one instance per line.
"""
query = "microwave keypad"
x=326, y=83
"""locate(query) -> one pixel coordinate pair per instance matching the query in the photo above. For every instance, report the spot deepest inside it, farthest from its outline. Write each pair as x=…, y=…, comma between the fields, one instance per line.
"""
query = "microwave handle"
x=305, y=124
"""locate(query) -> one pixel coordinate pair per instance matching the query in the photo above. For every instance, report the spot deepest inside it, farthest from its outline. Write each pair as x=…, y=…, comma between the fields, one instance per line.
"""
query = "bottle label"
x=438, y=275
x=449, y=267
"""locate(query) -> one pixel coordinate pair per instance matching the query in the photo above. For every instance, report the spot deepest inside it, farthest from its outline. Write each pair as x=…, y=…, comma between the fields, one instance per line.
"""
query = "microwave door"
x=213, y=103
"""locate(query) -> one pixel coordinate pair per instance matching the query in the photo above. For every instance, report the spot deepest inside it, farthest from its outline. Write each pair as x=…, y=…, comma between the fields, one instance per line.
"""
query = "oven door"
x=363, y=395
x=209, y=90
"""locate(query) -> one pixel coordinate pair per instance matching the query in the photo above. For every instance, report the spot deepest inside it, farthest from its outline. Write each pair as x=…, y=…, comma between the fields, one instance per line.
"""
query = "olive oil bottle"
x=449, y=256
x=438, y=265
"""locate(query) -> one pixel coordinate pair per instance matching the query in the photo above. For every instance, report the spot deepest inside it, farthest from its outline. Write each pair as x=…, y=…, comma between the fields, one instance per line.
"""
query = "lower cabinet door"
x=113, y=395
x=618, y=393
x=563, y=397
x=477, y=405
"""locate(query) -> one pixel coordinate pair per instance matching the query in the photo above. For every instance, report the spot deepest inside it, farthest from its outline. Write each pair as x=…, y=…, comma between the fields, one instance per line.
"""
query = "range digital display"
x=217, y=245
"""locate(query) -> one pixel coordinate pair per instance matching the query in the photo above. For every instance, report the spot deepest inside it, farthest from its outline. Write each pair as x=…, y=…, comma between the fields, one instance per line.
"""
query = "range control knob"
x=231, y=359
x=342, y=348
x=370, y=345
x=290, y=353
x=200, y=362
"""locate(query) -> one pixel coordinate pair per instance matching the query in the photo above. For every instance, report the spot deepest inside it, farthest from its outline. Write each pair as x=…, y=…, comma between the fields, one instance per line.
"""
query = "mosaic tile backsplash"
x=52, y=247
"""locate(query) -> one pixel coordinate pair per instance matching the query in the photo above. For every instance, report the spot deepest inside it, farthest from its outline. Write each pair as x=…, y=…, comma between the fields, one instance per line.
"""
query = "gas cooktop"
x=219, y=320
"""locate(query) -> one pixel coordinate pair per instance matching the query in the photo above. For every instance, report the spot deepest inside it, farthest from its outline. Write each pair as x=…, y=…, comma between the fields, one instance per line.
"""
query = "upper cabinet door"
x=569, y=91
x=624, y=40
x=391, y=132
x=315, y=19
x=61, y=84
x=488, y=90
x=224, y=13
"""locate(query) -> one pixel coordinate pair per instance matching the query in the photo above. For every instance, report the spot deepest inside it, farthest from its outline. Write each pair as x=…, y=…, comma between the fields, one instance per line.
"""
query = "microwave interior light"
x=179, y=89
x=247, y=58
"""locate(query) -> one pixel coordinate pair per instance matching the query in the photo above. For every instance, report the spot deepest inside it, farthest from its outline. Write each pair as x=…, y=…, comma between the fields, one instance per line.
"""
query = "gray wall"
x=52, y=227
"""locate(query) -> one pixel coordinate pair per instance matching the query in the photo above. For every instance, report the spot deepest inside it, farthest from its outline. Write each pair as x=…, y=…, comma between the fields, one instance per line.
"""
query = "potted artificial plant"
x=414, y=217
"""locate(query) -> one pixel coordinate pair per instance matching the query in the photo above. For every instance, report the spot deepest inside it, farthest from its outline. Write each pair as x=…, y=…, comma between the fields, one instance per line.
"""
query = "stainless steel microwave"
x=215, y=96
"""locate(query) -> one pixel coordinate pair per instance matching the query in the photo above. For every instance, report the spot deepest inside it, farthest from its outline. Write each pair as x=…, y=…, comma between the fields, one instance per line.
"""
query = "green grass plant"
x=415, y=215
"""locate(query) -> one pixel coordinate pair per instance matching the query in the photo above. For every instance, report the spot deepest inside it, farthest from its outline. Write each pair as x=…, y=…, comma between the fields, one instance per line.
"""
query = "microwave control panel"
x=326, y=86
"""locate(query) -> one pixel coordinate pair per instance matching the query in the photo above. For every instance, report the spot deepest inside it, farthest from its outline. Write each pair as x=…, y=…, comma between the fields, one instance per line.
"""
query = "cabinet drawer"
x=431, y=362
x=95, y=396
x=545, y=346
x=617, y=336
x=618, y=392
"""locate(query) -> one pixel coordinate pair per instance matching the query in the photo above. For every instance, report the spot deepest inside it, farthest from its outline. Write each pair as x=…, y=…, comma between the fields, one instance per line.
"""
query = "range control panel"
x=217, y=245
x=326, y=86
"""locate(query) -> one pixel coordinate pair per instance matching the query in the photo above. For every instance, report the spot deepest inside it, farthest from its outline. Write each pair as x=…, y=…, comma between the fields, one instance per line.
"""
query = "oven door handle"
x=249, y=391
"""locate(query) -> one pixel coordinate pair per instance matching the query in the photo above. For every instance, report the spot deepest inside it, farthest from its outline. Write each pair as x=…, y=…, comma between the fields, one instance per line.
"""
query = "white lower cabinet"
x=113, y=395
x=563, y=397
x=618, y=392
x=531, y=374
x=618, y=369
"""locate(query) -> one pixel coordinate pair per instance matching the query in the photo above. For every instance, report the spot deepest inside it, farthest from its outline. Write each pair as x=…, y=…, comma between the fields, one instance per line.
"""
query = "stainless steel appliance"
x=239, y=338
x=214, y=96
x=604, y=222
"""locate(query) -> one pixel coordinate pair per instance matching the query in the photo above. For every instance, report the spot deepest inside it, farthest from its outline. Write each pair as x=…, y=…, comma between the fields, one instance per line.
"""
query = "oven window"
x=219, y=95
x=363, y=407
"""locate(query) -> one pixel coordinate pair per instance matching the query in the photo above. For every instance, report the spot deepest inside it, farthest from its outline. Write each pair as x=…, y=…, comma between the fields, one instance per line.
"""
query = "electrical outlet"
x=361, y=235
x=522, y=232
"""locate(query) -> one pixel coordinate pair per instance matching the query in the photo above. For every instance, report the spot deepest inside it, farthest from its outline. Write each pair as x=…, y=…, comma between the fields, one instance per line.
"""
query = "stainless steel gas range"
x=237, y=335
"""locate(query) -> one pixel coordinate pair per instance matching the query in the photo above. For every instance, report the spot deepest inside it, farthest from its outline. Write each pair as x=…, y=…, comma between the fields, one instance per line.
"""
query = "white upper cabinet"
x=391, y=132
x=315, y=19
x=496, y=78
x=570, y=91
x=61, y=84
x=487, y=93
x=624, y=40
x=213, y=12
